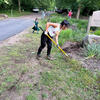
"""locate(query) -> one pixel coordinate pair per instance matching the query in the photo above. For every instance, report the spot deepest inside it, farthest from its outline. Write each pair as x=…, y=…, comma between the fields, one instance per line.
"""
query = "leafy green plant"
x=93, y=50
x=70, y=35
x=44, y=95
x=97, y=32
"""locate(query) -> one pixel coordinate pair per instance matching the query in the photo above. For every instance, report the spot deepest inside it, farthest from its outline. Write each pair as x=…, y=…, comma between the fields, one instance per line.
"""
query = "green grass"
x=81, y=24
x=15, y=13
x=71, y=35
x=66, y=80
x=32, y=96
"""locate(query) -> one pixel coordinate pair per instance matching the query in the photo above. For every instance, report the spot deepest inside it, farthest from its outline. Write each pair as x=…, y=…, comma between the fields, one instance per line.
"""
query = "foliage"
x=78, y=6
x=28, y=4
x=93, y=50
x=80, y=24
x=69, y=78
x=62, y=79
x=50, y=4
x=32, y=96
x=15, y=13
x=4, y=4
x=97, y=32
x=45, y=4
x=73, y=35
x=73, y=4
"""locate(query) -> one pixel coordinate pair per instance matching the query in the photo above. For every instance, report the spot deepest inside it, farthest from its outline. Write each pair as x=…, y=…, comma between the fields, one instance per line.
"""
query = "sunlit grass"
x=15, y=13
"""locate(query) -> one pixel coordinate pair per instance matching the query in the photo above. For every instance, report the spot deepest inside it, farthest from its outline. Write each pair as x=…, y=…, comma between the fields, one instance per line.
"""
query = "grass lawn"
x=21, y=74
x=15, y=13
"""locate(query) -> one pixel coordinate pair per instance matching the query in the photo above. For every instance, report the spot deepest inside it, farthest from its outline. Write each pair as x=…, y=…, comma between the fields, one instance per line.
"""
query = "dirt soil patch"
x=75, y=50
x=26, y=70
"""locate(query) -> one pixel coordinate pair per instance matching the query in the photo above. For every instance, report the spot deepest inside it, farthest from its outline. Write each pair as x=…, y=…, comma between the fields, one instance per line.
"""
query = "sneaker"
x=50, y=58
x=33, y=31
x=38, y=57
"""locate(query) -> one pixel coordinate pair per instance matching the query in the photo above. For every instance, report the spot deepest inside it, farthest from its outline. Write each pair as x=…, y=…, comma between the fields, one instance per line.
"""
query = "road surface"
x=13, y=26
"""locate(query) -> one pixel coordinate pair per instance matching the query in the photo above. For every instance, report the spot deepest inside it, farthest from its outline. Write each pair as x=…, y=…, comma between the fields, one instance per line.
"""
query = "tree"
x=45, y=4
x=85, y=3
x=19, y=6
x=78, y=5
x=5, y=4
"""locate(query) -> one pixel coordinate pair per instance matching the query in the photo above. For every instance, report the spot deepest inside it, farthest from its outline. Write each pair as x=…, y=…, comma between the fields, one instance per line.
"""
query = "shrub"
x=56, y=19
x=70, y=35
x=97, y=32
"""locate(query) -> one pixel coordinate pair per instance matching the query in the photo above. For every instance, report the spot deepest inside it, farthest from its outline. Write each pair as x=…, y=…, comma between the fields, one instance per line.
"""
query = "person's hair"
x=65, y=22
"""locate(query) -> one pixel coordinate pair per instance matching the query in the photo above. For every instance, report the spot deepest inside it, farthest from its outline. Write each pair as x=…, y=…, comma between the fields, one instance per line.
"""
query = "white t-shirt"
x=52, y=31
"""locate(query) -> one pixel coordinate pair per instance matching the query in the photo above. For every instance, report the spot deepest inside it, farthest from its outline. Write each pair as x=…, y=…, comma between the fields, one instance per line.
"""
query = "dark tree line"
x=78, y=6
x=27, y=4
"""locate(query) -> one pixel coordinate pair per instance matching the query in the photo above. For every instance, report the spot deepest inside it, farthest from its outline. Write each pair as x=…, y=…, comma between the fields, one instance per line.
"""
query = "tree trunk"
x=78, y=12
x=19, y=6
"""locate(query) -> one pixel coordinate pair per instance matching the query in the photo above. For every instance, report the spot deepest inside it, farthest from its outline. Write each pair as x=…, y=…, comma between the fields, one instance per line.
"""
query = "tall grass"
x=81, y=24
x=69, y=34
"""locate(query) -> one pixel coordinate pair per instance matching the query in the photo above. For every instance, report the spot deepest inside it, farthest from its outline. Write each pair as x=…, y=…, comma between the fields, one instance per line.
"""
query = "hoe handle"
x=58, y=47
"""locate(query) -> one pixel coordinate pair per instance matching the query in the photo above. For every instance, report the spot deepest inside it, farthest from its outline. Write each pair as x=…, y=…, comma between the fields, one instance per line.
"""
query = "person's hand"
x=45, y=32
x=58, y=45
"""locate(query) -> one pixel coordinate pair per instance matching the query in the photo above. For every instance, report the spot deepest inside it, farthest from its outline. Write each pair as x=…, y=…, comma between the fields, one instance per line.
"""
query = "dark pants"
x=45, y=40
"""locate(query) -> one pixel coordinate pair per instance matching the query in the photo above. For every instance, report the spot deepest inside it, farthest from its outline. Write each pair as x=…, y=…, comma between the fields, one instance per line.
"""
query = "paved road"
x=10, y=27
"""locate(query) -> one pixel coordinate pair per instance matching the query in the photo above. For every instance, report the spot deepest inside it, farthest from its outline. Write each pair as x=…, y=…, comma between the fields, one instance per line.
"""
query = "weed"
x=32, y=96
x=44, y=95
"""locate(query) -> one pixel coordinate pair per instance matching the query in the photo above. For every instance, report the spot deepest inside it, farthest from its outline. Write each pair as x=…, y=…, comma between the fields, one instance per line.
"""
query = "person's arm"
x=57, y=34
x=50, y=24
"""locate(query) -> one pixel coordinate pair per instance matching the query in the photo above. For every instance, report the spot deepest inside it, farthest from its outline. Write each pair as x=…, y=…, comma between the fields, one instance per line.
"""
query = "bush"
x=71, y=36
x=81, y=24
x=97, y=32
x=56, y=19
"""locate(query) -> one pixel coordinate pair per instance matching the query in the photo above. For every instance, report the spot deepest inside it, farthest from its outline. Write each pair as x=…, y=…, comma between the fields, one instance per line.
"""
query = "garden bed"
x=75, y=50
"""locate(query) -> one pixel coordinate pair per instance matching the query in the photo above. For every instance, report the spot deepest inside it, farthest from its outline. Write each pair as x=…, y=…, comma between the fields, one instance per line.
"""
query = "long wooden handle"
x=58, y=47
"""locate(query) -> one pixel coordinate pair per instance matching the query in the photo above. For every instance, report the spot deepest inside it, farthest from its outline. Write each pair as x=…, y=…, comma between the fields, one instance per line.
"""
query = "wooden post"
x=89, y=24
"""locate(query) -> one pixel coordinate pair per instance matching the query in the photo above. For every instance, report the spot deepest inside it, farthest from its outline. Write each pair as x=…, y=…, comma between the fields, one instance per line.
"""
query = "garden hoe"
x=58, y=46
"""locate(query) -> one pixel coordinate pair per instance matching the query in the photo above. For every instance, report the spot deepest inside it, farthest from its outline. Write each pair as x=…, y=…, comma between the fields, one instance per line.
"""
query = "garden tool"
x=58, y=46
x=55, y=44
